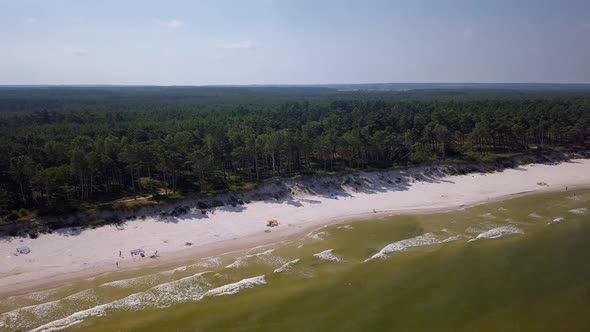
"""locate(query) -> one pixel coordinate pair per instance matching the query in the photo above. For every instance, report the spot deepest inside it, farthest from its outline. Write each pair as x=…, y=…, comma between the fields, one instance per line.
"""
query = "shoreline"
x=305, y=215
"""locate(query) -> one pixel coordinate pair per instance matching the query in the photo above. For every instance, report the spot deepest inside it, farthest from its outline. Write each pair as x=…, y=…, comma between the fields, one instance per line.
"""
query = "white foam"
x=418, y=241
x=579, y=211
x=13, y=302
x=236, y=287
x=345, y=227
x=131, y=282
x=73, y=319
x=21, y=318
x=160, y=296
x=317, y=236
x=287, y=266
x=264, y=253
x=452, y=238
x=523, y=223
x=254, y=249
x=535, y=215
x=209, y=262
x=44, y=294
x=266, y=256
x=239, y=262
x=558, y=220
x=473, y=230
x=328, y=256
x=498, y=232
x=171, y=272
x=488, y=216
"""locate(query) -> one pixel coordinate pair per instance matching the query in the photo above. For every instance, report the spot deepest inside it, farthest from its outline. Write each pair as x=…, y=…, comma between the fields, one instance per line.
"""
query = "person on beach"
x=117, y=263
x=120, y=253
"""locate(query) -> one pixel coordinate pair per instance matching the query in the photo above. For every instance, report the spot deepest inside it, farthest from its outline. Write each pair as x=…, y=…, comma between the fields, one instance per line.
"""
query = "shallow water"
x=506, y=266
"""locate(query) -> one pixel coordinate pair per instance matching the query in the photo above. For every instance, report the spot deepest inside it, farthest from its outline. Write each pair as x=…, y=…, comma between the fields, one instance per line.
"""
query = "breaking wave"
x=498, y=232
x=418, y=241
x=25, y=317
x=452, y=238
x=132, y=282
x=328, y=256
x=558, y=220
x=160, y=296
x=266, y=256
x=209, y=262
x=317, y=236
x=579, y=211
x=171, y=272
x=345, y=227
x=236, y=287
x=287, y=266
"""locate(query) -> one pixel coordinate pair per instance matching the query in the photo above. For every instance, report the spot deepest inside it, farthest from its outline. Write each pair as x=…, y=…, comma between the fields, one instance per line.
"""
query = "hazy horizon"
x=269, y=42
x=442, y=84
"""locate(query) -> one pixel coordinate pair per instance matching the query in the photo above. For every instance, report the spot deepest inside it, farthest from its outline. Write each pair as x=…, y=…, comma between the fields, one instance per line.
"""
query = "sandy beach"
x=74, y=253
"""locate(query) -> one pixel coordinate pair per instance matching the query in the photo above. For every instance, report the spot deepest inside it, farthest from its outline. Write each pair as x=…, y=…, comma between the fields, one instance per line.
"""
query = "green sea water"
x=529, y=270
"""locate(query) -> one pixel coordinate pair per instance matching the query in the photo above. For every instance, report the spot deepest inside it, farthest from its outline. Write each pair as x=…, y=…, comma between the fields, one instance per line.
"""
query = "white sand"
x=60, y=256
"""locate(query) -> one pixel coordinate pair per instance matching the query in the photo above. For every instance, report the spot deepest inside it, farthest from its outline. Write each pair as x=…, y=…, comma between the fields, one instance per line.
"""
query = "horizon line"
x=283, y=84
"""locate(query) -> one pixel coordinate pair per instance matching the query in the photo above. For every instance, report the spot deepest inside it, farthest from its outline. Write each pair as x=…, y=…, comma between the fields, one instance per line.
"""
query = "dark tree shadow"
x=69, y=231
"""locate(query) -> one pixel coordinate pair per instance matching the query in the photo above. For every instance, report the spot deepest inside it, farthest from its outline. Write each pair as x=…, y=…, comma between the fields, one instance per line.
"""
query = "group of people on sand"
x=139, y=252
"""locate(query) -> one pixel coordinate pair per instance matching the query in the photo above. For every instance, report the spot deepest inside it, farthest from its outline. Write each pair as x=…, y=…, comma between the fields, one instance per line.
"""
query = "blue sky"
x=293, y=41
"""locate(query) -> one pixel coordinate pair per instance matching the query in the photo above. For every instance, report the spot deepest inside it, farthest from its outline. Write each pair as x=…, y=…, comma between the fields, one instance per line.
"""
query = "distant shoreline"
x=385, y=86
x=56, y=259
x=265, y=190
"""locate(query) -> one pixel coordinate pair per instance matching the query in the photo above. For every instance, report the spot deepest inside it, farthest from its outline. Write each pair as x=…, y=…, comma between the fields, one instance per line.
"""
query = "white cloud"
x=171, y=24
x=242, y=44
x=29, y=20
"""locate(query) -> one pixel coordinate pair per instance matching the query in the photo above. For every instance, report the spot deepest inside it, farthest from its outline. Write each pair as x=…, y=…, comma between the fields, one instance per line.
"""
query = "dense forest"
x=72, y=149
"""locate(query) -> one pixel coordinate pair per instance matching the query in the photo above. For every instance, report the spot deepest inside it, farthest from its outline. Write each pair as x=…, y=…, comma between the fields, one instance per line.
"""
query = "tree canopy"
x=64, y=148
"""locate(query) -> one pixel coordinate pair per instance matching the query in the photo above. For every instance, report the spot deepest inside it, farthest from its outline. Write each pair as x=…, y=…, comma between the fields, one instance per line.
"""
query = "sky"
x=221, y=42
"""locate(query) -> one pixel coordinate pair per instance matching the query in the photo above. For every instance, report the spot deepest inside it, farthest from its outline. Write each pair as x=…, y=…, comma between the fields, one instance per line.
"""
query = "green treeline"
x=60, y=158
